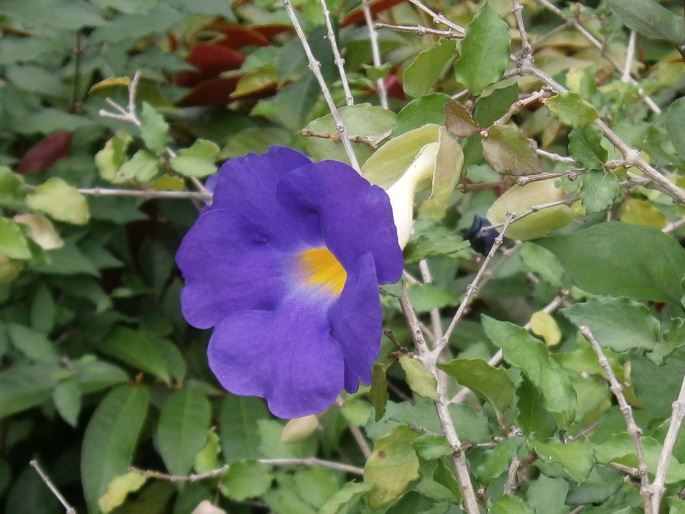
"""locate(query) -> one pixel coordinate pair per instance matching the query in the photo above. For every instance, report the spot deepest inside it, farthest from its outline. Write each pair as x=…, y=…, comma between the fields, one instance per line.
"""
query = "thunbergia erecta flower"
x=285, y=265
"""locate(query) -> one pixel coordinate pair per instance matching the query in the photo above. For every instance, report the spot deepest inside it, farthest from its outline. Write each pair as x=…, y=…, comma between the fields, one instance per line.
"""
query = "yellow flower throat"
x=320, y=268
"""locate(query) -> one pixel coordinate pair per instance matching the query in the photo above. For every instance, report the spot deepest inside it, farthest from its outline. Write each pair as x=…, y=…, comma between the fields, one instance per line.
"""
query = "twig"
x=555, y=157
x=630, y=53
x=434, y=313
x=375, y=52
x=673, y=226
x=441, y=405
x=439, y=18
x=146, y=193
x=633, y=430
x=339, y=61
x=372, y=141
x=419, y=30
x=309, y=461
x=537, y=208
x=510, y=484
x=472, y=288
x=128, y=115
x=658, y=488
x=360, y=440
x=315, y=67
x=527, y=179
x=46, y=480
x=545, y=92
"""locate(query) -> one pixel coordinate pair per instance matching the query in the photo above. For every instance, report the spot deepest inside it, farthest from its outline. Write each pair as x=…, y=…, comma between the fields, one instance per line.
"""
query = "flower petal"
x=356, y=217
x=357, y=322
x=287, y=356
x=228, y=265
x=247, y=186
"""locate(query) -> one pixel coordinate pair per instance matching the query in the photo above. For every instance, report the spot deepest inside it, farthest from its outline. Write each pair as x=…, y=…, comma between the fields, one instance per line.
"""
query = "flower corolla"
x=285, y=266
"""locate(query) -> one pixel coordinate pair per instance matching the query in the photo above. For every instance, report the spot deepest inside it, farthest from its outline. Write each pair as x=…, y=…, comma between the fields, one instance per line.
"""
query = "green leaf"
x=431, y=446
x=491, y=384
x=616, y=323
x=378, y=394
x=153, y=129
x=459, y=121
x=571, y=109
x=391, y=466
x=419, y=112
x=23, y=387
x=182, y=429
x=57, y=14
x=496, y=461
x=59, y=200
x=600, y=485
x=196, y=160
x=586, y=148
x=484, y=52
x=419, y=378
x=13, y=241
x=436, y=240
x=533, y=416
x=649, y=19
x=599, y=190
x=246, y=479
x=420, y=76
x=142, y=167
x=675, y=121
x=425, y=297
x=548, y=494
x=529, y=354
x=316, y=484
x=675, y=505
x=495, y=105
x=11, y=188
x=618, y=259
x=67, y=399
x=110, y=439
x=238, y=419
x=657, y=386
x=510, y=505
x=350, y=492
x=509, y=152
x=94, y=375
x=207, y=459
x=448, y=170
x=619, y=447
x=576, y=458
x=119, y=488
x=359, y=120
x=192, y=166
x=32, y=344
x=137, y=350
x=543, y=262
x=113, y=155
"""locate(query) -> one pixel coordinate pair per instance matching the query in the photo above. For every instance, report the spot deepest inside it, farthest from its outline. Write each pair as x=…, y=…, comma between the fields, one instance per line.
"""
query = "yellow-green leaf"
x=60, y=201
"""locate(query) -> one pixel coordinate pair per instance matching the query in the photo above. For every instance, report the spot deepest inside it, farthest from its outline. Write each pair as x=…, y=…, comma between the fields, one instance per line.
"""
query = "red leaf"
x=46, y=152
x=214, y=91
x=238, y=37
x=357, y=15
x=210, y=61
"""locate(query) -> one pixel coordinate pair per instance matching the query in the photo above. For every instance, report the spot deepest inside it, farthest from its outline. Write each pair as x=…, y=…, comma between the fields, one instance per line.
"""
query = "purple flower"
x=285, y=265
